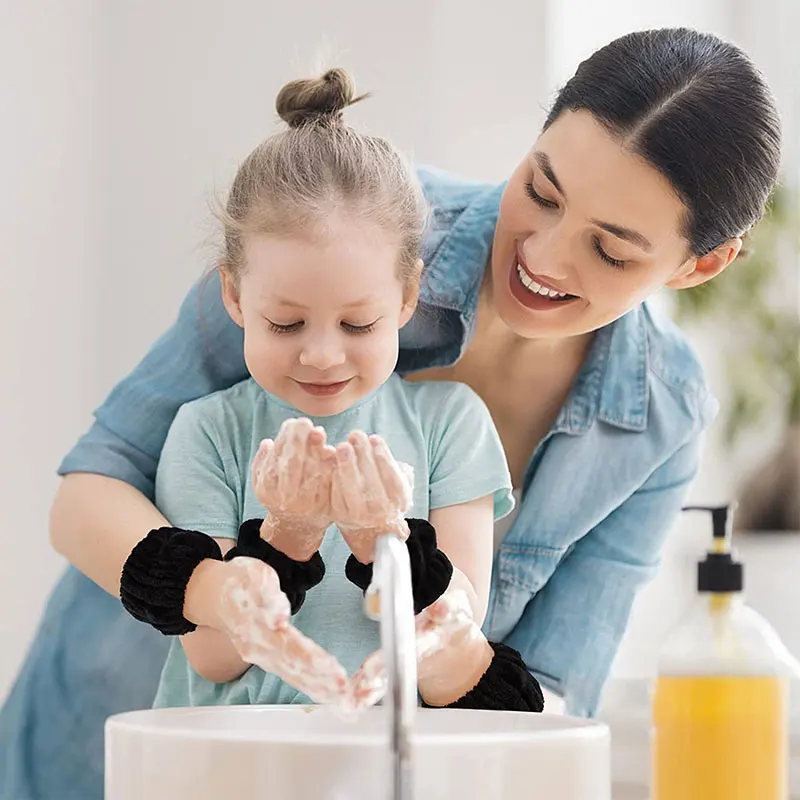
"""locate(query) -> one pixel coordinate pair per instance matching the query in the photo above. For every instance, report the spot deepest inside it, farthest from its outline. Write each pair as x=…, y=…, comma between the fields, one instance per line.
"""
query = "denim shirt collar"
x=453, y=276
x=612, y=385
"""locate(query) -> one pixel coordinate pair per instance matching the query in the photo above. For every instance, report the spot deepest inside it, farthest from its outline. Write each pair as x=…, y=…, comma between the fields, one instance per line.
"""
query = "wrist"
x=203, y=591
x=447, y=678
x=157, y=572
x=362, y=540
x=398, y=526
x=296, y=575
x=295, y=537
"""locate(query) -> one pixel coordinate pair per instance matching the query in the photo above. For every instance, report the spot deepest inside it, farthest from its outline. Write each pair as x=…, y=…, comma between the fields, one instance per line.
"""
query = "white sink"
x=306, y=753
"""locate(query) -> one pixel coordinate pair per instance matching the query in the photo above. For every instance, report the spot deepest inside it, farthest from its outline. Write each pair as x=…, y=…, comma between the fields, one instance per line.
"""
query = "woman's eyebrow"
x=546, y=166
x=629, y=235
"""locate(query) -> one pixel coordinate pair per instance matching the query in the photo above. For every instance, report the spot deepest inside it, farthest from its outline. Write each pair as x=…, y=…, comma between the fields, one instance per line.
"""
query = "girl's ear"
x=411, y=294
x=230, y=296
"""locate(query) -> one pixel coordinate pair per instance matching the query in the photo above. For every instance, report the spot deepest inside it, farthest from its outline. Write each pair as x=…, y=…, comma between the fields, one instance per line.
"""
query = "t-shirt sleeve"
x=466, y=457
x=195, y=489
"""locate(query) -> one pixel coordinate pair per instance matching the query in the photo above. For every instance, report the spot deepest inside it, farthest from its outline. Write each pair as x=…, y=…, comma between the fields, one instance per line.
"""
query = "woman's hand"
x=253, y=611
x=452, y=655
x=370, y=493
x=292, y=479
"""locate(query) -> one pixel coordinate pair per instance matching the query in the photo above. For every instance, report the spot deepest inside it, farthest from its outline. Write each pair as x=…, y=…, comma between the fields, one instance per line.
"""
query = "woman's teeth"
x=532, y=286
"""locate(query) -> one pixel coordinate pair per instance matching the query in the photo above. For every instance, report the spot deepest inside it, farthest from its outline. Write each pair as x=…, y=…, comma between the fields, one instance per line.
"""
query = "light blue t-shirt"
x=443, y=430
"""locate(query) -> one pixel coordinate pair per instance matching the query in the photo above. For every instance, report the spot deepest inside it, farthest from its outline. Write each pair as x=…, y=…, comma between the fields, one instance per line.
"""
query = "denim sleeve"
x=201, y=353
x=570, y=631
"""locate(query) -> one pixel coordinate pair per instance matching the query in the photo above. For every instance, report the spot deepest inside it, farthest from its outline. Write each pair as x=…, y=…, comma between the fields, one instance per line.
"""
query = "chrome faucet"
x=390, y=599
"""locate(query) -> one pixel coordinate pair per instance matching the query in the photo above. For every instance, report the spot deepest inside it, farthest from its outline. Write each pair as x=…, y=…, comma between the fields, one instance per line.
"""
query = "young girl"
x=320, y=270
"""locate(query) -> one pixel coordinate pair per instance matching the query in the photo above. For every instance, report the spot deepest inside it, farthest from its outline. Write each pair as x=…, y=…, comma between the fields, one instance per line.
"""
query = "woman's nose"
x=547, y=253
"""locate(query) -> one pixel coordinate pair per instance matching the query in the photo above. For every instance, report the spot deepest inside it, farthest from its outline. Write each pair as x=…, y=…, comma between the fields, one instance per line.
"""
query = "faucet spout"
x=392, y=584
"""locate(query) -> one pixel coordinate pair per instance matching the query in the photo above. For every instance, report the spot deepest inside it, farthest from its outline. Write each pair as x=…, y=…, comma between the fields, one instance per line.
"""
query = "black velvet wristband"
x=156, y=573
x=505, y=686
x=431, y=569
x=296, y=577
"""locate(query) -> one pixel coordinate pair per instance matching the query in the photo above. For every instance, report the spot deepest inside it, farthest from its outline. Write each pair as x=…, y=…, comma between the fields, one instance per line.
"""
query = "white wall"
x=49, y=215
x=576, y=28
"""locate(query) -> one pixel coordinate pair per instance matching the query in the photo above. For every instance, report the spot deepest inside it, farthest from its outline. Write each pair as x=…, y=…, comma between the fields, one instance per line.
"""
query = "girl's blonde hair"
x=298, y=181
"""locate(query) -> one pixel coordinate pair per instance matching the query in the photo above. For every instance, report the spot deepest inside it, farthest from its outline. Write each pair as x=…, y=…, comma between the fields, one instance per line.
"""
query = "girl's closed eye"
x=359, y=329
x=288, y=328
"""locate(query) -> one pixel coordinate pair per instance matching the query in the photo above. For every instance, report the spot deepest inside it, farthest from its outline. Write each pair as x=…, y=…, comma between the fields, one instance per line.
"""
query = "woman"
x=655, y=159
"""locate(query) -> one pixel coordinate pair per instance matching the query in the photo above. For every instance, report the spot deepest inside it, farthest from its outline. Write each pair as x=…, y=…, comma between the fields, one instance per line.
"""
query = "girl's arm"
x=210, y=651
x=464, y=534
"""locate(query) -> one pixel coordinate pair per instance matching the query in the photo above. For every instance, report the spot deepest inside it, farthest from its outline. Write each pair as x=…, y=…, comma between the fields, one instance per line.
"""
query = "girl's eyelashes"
x=290, y=328
x=359, y=329
x=346, y=326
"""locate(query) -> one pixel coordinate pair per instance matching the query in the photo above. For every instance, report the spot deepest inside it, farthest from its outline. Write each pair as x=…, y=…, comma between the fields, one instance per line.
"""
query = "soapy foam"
x=371, y=491
x=449, y=621
x=257, y=618
x=292, y=478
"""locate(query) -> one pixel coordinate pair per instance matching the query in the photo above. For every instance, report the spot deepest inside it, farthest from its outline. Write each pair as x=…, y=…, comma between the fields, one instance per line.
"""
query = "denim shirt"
x=600, y=494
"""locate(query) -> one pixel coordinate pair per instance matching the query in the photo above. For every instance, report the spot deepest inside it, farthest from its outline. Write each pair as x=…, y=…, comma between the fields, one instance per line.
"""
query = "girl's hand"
x=370, y=493
x=292, y=479
x=254, y=612
x=452, y=655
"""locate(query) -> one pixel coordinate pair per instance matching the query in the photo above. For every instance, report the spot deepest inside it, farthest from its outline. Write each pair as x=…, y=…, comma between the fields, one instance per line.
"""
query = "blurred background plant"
x=754, y=307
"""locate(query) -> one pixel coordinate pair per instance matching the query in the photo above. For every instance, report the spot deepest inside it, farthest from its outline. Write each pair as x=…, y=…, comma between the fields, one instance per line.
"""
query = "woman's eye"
x=356, y=329
x=537, y=198
x=290, y=328
x=598, y=248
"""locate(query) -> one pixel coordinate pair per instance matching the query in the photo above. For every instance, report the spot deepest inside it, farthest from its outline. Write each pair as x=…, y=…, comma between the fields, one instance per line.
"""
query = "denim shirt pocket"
x=519, y=572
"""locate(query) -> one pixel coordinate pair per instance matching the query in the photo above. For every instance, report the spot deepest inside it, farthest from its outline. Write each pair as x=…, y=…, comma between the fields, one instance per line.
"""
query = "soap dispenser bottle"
x=720, y=704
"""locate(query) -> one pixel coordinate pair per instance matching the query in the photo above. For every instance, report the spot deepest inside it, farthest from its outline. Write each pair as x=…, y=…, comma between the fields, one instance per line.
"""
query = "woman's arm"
x=96, y=521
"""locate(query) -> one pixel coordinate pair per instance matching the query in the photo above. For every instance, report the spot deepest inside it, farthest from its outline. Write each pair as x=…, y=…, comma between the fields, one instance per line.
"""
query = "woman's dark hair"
x=698, y=110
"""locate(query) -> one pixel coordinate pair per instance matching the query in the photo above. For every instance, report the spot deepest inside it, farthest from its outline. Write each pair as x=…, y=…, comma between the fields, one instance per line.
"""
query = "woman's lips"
x=529, y=277
x=534, y=295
